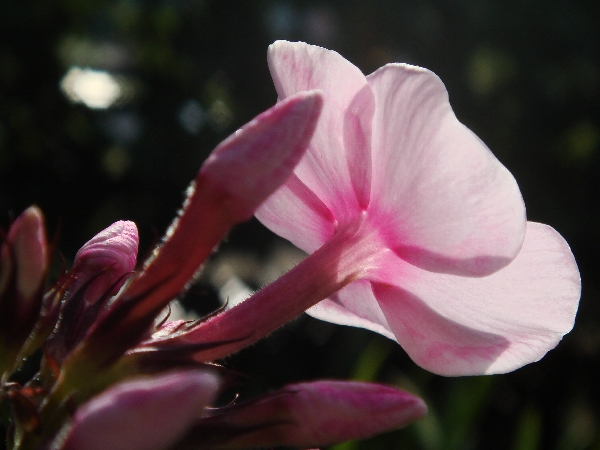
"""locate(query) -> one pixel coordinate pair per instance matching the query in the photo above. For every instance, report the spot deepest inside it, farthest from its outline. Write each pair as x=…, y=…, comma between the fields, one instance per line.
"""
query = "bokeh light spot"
x=96, y=89
x=488, y=69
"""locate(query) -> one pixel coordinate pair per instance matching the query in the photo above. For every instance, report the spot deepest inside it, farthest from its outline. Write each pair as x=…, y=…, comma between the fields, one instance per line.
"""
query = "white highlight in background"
x=97, y=89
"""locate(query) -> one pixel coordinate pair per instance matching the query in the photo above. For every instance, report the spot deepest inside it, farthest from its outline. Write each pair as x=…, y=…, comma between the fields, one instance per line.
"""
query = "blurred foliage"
x=525, y=76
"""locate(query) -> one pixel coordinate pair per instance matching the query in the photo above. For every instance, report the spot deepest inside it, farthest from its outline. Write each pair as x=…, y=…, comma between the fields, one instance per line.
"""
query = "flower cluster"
x=415, y=231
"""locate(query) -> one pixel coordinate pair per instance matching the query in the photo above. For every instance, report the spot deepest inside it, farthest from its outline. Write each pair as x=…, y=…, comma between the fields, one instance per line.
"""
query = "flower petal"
x=141, y=414
x=291, y=201
x=355, y=306
x=454, y=325
x=445, y=202
x=339, y=152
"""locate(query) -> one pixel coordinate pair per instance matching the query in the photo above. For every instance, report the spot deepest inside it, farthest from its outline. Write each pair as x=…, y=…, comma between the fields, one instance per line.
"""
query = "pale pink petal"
x=454, y=325
x=356, y=306
x=295, y=213
x=142, y=414
x=340, y=148
x=305, y=415
x=444, y=202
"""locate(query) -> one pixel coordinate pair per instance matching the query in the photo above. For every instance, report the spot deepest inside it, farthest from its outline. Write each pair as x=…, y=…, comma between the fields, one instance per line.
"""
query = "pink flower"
x=416, y=230
x=24, y=256
x=435, y=251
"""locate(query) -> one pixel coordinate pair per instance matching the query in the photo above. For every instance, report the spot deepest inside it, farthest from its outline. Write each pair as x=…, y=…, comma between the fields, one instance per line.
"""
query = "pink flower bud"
x=23, y=267
x=25, y=254
x=106, y=260
x=309, y=415
x=101, y=267
x=142, y=414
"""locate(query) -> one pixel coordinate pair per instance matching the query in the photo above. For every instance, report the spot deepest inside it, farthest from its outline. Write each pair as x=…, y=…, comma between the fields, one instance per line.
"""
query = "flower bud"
x=307, y=415
x=141, y=414
x=23, y=268
x=101, y=267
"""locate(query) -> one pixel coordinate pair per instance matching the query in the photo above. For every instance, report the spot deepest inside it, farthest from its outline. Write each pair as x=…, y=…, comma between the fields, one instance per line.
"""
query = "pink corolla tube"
x=415, y=230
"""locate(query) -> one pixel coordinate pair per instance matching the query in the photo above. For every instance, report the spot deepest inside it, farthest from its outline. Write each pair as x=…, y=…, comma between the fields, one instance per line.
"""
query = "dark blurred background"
x=108, y=108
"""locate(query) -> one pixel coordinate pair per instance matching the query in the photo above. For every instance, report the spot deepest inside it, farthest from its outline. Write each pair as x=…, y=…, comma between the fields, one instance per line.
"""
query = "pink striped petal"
x=454, y=325
x=340, y=149
x=443, y=200
x=142, y=414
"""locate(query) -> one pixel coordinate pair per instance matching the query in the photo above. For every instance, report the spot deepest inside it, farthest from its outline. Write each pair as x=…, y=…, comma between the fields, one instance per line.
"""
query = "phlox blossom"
x=431, y=243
